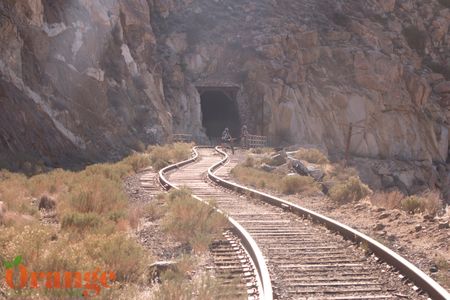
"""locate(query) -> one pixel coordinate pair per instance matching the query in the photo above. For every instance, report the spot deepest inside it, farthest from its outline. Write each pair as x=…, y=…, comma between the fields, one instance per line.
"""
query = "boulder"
x=315, y=173
x=300, y=168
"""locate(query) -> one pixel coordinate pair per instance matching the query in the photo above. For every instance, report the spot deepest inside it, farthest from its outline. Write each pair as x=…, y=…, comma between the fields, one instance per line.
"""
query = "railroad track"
x=301, y=258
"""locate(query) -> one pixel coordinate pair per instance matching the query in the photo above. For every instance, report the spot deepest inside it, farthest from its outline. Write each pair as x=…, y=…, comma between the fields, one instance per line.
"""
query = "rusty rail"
x=418, y=277
x=247, y=241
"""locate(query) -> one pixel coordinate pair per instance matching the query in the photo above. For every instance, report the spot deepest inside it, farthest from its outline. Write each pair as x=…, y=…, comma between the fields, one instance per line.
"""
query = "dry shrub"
x=114, y=172
x=118, y=253
x=94, y=194
x=388, y=200
x=429, y=202
x=176, y=285
x=349, y=191
x=51, y=183
x=312, y=155
x=14, y=192
x=262, y=150
x=191, y=221
x=286, y=185
x=256, y=178
x=137, y=161
x=81, y=222
x=298, y=184
x=162, y=156
x=249, y=162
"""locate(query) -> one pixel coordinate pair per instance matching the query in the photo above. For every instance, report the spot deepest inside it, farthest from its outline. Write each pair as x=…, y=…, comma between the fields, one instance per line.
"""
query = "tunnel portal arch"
x=219, y=110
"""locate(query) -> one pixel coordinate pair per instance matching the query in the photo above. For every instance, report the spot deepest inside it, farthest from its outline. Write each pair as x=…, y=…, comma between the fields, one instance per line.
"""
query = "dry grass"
x=349, y=191
x=283, y=184
x=311, y=155
x=256, y=178
x=264, y=150
x=296, y=184
x=94, y=213
x=388, y=200
x=162, y=156
x=192, y=222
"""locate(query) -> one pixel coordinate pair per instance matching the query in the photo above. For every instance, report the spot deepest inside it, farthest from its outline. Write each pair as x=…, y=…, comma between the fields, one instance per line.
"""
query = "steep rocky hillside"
x=91, y=78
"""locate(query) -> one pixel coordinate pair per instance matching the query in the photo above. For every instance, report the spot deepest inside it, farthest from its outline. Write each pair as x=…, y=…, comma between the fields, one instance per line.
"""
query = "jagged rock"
x=418, y=228
x=267, y=168
x=299, y=167
x=316, y=173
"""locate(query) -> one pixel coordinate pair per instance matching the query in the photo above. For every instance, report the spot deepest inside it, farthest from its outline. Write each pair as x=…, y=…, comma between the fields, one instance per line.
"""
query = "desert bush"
x=94, y=194
x=81, y=221
x=256, y=178
x=120, y=254
x=191, y=221
x=249, y=162
x=14, y=192
x=416, y=38
x=114, y=172
x=312, y=155
x=298, y=184
x=389, y=200
x=348, y=191
x=162, y=156
x=137, y=161
x=429, y=202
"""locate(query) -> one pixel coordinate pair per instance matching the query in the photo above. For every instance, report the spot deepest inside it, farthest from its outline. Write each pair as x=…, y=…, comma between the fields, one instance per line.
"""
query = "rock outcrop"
x=79, y=81
x=92, y=78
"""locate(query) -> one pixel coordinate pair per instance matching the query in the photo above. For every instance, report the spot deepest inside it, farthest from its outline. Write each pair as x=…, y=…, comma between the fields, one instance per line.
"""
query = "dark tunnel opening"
x=219, y=111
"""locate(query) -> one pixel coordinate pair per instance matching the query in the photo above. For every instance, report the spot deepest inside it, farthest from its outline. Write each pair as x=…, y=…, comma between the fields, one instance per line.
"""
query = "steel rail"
x=414, y=274
x=247, y=241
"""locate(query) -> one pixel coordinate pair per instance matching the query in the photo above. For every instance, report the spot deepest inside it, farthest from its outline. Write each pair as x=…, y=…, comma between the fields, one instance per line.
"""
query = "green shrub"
x=312, y=156
x=348, y=191
x=429, y=201
x=413, y=204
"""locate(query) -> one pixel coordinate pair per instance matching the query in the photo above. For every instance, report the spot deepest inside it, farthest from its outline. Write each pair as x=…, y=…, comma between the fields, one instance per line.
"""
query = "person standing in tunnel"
x=244, y=136
x=227, y=139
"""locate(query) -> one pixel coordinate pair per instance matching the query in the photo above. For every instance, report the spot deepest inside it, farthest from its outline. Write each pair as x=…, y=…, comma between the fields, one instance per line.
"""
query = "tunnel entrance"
x=219, y=110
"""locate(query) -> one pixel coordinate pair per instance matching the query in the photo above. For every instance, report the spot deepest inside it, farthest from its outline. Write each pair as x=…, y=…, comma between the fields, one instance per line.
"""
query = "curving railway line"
x=296, y=253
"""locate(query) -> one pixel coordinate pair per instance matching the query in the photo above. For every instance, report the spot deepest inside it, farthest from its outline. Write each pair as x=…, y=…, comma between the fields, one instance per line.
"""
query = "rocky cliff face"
x=93, y=77
x=79, y=81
